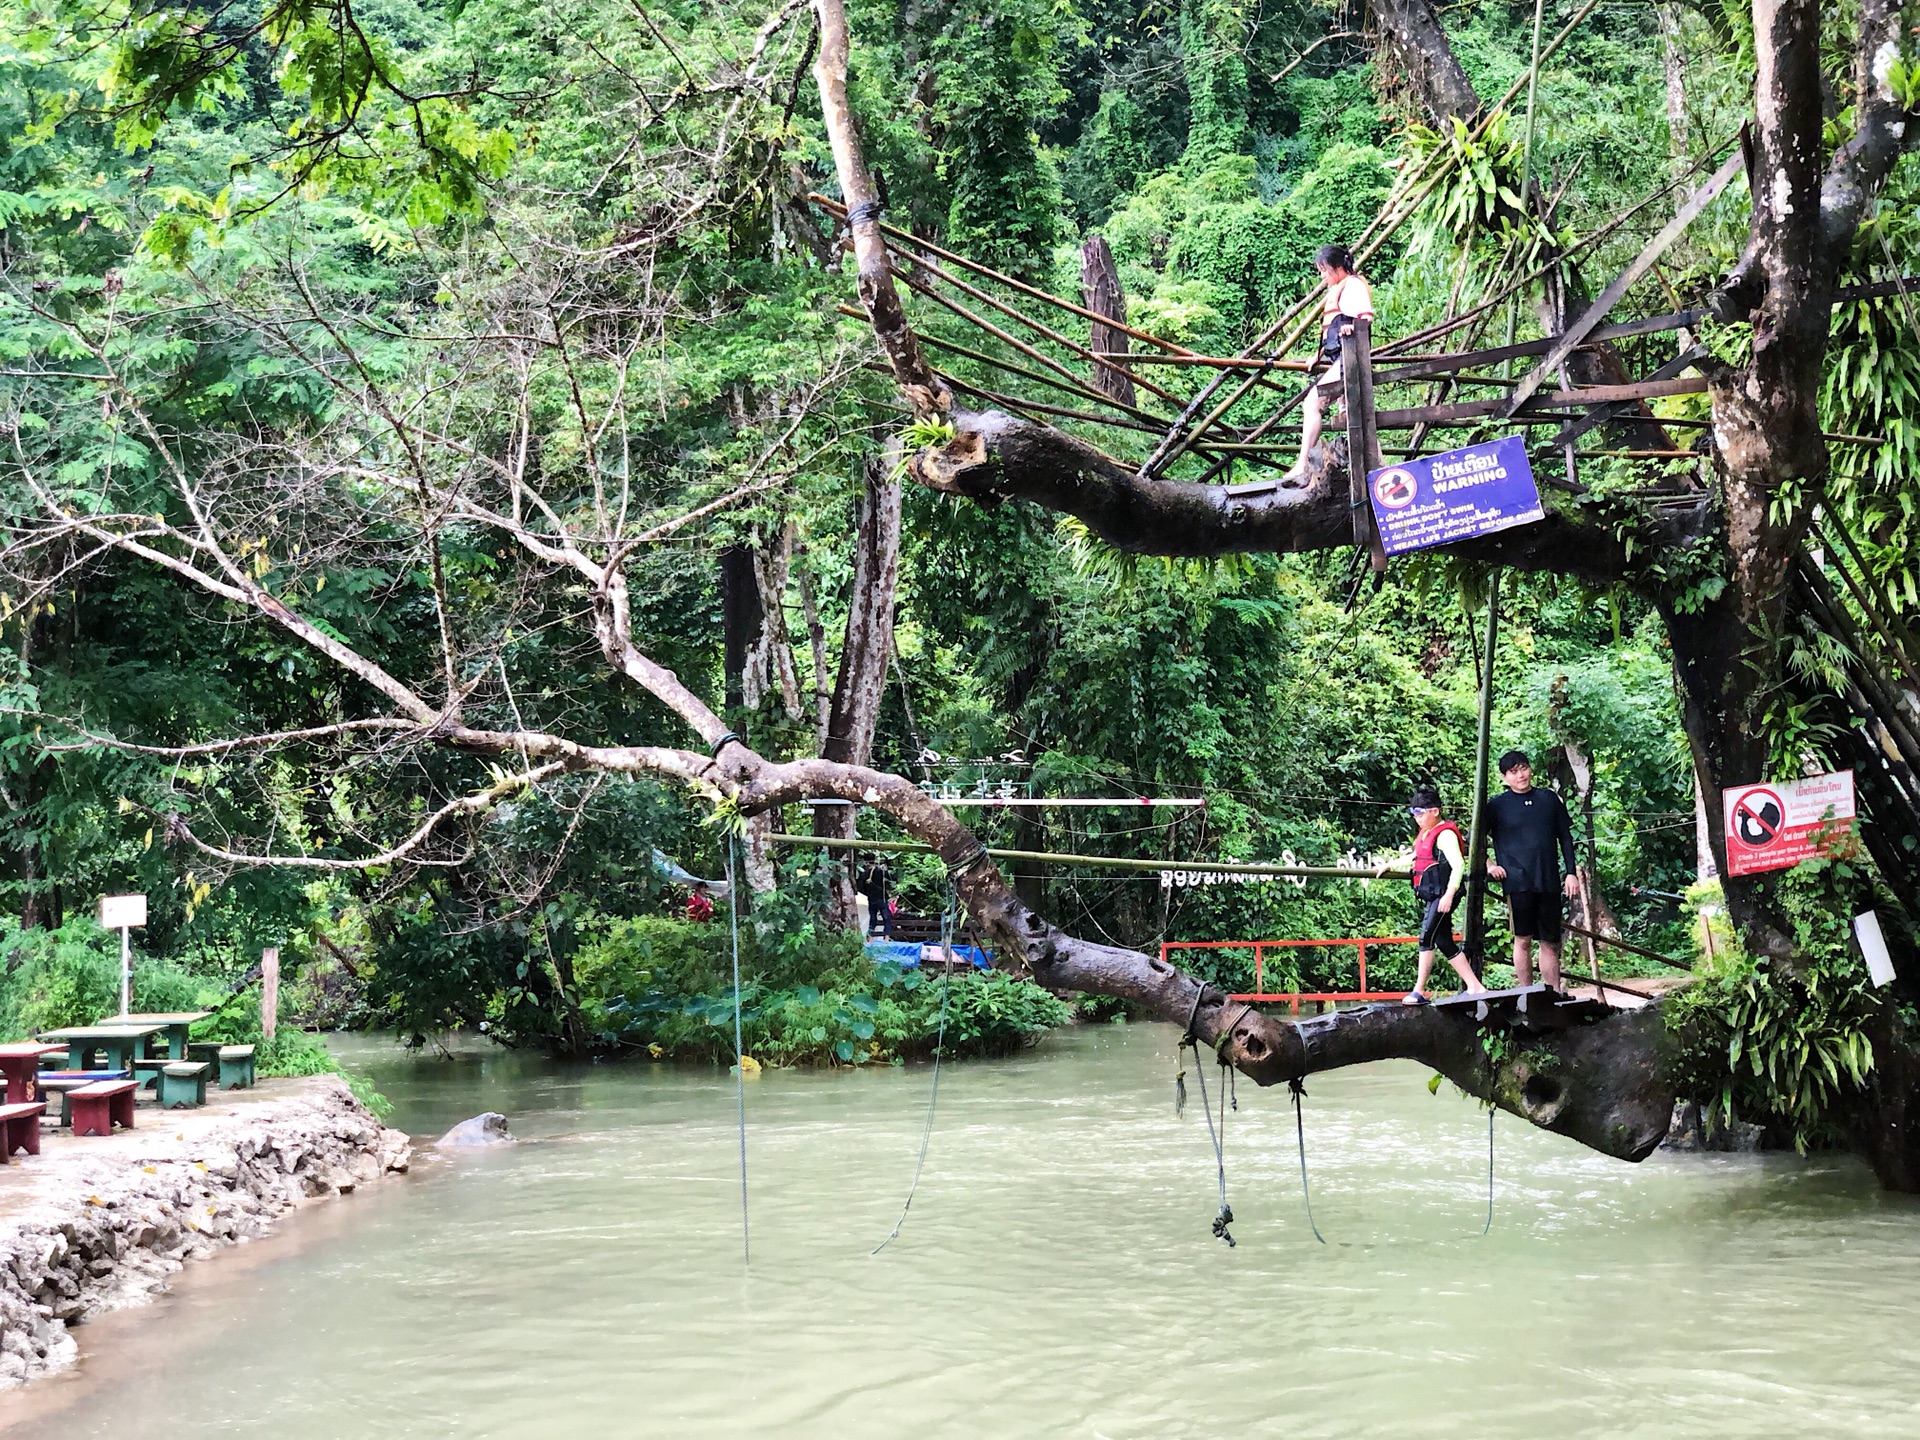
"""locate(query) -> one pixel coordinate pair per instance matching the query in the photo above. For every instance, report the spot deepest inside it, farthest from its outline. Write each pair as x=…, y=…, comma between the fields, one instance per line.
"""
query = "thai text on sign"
x=1776, y=825
x=1454, y=496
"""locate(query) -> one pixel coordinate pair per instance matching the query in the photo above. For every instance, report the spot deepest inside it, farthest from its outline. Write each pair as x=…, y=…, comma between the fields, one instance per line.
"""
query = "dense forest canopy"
x=433, y=432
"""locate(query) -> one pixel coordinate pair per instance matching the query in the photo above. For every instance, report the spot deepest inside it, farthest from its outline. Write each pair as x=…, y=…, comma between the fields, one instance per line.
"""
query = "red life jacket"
x=1425, y=853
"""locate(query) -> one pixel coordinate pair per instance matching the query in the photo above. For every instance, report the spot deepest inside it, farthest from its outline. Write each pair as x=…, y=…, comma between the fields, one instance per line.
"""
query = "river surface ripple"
x=1056, y=1276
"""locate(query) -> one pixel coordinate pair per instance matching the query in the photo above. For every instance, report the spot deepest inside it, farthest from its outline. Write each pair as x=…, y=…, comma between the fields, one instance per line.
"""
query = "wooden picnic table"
x=120, y=1042
x=175, y=1021
x=19, y=1062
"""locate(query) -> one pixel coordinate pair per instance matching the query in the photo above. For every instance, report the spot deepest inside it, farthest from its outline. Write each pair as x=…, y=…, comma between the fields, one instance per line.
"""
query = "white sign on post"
x=125, y=913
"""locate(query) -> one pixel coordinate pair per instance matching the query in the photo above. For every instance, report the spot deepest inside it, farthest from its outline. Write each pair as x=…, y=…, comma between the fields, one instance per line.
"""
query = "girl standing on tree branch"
x=1349, y=298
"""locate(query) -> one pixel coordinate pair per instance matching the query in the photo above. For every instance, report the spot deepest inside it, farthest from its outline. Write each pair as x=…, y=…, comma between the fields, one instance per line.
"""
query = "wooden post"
x=1363, y=445
x=1475, y=939
x=269, y=990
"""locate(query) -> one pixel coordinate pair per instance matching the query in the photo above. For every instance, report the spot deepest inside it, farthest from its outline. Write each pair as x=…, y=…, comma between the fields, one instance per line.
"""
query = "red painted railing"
x=1294, y=997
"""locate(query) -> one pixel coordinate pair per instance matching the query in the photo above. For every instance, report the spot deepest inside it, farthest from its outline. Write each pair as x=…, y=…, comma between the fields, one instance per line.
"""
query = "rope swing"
x=739, y=1051
x=939, y=1045
x=1218, y=1136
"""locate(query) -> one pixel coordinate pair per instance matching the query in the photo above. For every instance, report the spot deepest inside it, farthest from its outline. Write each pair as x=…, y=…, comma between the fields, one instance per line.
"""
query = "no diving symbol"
x=1758, y=818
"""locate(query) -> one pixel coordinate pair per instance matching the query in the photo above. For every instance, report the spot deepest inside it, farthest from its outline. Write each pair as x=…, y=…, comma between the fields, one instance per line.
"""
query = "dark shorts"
x=1436, y=931
x=1536, y=915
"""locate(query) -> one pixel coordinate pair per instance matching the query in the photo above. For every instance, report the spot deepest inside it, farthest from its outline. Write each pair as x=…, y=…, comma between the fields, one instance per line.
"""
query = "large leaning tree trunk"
x=1766, y=432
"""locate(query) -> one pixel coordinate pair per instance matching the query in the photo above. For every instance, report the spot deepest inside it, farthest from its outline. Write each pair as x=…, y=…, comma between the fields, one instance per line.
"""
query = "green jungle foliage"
x=1786, y=1048
x=231, y=217
x=665, y=986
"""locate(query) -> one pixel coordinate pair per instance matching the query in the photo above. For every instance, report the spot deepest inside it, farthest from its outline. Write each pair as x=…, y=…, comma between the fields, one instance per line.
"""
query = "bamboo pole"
x=1102, y=862
x=1475, y=939
x=1012, y=284
x=1017, y=403
x=1072, y=346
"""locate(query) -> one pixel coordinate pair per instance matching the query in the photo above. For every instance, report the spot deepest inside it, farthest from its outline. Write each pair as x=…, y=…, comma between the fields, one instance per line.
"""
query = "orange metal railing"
x=1294, y=997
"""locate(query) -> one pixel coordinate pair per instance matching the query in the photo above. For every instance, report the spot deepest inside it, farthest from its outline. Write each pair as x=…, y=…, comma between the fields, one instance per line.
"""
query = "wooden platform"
x=1531, y=1007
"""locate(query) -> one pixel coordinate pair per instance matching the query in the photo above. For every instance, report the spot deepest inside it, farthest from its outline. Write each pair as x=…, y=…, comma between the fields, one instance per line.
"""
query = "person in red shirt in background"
x=1349, y=298
x=699, y=905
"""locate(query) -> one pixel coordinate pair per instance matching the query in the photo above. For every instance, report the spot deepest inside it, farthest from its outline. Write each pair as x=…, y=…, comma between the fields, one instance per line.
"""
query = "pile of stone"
x=99, y=1224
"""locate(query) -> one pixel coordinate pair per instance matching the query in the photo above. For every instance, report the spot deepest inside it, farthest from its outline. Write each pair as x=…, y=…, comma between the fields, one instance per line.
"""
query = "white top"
x=1352, y=296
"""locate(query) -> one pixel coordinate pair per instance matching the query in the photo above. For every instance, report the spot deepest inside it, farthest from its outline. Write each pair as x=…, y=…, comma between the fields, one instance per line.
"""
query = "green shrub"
x=1784, y=1048
x=810, y=997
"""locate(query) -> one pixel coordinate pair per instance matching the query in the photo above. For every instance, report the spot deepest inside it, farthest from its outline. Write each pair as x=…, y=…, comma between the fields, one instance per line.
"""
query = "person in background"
x=873, y=885
x=1438, y=870
x=700, y=903
x=1349, y=298
x=1532, y=836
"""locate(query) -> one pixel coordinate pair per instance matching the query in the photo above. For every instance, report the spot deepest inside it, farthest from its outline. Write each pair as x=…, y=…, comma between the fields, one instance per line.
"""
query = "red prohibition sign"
x=1758, y=818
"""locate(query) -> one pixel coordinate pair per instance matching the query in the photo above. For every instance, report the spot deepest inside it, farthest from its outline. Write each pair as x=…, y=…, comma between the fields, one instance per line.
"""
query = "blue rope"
x=739, y=1053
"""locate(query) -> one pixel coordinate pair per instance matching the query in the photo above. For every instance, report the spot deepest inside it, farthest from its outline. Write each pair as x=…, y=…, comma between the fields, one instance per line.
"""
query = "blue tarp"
x=906, y=953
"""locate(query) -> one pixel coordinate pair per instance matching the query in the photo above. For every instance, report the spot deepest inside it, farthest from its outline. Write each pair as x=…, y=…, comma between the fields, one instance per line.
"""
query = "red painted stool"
x=20, y=1128
x=97, y=1108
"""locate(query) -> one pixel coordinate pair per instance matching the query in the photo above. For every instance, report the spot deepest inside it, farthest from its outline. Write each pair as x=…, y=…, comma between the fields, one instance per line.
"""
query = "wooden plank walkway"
x=1530, y=1007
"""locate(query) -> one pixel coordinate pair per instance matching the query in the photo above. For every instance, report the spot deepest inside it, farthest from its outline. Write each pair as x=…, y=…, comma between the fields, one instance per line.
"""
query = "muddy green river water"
x=1056, y=1276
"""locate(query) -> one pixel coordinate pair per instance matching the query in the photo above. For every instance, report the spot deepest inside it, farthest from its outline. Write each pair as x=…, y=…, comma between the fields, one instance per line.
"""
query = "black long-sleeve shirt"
x=1526, y=829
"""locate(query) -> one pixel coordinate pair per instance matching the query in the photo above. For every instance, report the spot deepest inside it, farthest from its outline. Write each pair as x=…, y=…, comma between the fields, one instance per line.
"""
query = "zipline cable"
x=739, y=1054
x=939, y=1045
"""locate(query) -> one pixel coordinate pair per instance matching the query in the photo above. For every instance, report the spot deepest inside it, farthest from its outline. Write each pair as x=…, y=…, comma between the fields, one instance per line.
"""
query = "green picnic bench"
x=183, y=1084
x=235, y=1062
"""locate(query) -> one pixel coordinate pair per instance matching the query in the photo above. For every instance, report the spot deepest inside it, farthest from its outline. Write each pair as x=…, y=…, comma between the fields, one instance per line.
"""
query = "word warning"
x=1772, y=826
x=1454, y=496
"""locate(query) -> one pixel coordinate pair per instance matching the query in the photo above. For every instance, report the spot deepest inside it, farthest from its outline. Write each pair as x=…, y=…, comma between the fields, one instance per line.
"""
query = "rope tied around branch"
x=1224, y=1217
x=1298, y=1087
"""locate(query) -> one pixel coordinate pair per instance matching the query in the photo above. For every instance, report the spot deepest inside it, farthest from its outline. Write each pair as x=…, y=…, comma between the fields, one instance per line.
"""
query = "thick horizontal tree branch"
x=996, y=457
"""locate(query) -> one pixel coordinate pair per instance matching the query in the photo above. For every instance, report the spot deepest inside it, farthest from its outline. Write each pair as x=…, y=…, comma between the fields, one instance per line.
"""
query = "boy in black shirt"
x=1528, y=827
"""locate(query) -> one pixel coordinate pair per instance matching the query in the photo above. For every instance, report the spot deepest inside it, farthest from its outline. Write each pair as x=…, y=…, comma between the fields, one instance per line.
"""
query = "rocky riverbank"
x=100, y=1223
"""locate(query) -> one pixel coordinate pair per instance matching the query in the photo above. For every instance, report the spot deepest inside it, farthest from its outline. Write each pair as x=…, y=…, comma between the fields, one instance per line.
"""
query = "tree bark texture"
x=865, y=655
x=1411, y=34
x=1100, y=292
x=922, y=388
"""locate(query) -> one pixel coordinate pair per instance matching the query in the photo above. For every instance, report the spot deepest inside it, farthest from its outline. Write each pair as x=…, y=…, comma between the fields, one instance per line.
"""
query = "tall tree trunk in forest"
x=772, y=661
x=1100, y=292
x=743, y=629
x=1410, y=31
x=1675, y=62
x=740, y=621
x=865, y=656
x=878, y=294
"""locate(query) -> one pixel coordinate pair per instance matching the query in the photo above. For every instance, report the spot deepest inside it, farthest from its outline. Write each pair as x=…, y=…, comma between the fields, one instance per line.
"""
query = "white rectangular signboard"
x=123, y=912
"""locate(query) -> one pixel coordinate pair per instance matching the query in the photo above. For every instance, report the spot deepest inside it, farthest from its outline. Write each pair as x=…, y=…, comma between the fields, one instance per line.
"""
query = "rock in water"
x=487, y=1129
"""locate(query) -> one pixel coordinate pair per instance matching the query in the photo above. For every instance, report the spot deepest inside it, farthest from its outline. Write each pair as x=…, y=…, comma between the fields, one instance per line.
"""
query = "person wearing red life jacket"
x=699, y=905
x=1439, y=867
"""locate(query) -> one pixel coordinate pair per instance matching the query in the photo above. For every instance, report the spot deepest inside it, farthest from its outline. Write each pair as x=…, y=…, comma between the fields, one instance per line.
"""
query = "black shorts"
x=1536, y=915
x=1436, y=931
